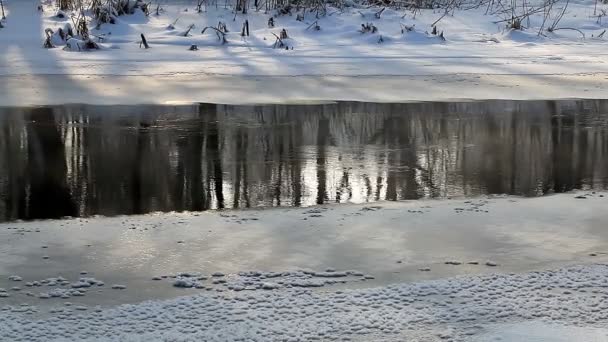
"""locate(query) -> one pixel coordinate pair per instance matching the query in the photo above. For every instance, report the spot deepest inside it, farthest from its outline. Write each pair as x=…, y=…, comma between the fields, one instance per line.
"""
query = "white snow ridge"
x=455, y=309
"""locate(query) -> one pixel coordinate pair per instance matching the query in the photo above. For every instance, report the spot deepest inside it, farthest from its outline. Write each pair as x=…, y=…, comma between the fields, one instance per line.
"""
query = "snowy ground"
x=562, y=305
x=479, y=60
x=425, y=270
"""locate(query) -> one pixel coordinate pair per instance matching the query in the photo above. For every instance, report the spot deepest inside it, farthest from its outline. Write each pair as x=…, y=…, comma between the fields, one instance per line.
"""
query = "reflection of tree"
x=213, y=152
x=401, y=158
x=86, y=160
x=190, y=192
x=12, y=168
x=295, y=164
x=344, y=187
x=136, y=171
x=322, y=140
x=48, y=195
x=241, y=168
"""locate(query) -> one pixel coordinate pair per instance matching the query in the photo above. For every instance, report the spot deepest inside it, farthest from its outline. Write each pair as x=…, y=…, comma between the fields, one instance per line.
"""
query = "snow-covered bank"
x=456, y=309
x=479, y=60
x=103, y=90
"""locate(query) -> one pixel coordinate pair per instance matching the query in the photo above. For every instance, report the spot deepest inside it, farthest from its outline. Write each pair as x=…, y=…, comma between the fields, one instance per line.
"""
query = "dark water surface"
x=81, y=160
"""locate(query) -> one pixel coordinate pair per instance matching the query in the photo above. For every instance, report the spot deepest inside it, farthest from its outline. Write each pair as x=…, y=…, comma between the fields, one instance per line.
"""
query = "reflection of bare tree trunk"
x=391, y=126
x=196, y=179
x=136, y=181
x=322, y=139
x=180, y=199
x=49, y=195
x=378, y=188
x=410, y=160
x=492, y=172
x=513, y=162
x=580, y=150
x=213, y=153
x=240, y=181
x=296, y=167
x=237, y=174
x=563, y=142
x=462, y=140
x=344, y=186
x=189, y=184
x=368, y=187
x=279, y=179
x=401, y=156
x=246, y=185
x=195, y=183
x=15, y=197
x=391, y=177
x=593, y=157
x=87, y=167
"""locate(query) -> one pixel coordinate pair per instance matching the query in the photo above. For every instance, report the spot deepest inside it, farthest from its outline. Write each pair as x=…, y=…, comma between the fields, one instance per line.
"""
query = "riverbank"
x=479, y=59
x=40, y=90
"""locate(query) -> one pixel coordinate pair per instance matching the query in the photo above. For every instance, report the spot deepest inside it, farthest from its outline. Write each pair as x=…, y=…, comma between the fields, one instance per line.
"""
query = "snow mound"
x=417, y=37
x=521, y=36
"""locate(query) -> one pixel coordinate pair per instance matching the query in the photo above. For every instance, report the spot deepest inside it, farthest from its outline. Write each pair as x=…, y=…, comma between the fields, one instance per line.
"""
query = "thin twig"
x=447, y=11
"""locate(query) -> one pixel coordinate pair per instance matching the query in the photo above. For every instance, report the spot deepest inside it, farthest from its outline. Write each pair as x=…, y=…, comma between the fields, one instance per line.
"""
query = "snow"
x=86, y=282
x=512, y=234
x=432, y=294
x=480, y=59
x=538, y=331
x=564, y=304
x=186, y=282
x=254, y=280
x=281, y=278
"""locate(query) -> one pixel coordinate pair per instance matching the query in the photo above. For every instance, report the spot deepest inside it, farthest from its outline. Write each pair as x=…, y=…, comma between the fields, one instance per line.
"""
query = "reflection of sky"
x=521, y=235
x=359, y=165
